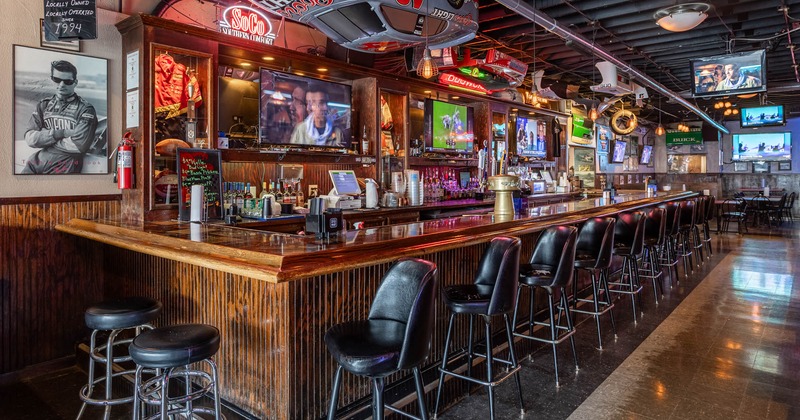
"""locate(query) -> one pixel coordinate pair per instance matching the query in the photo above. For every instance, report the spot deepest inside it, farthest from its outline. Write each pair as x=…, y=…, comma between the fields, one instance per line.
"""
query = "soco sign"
x=247, y=23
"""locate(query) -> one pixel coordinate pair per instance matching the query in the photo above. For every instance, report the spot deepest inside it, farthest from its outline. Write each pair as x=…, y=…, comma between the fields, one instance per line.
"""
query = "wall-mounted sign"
x=72, y=19
x=677, y=138
x=455, y=80
x=247, y=23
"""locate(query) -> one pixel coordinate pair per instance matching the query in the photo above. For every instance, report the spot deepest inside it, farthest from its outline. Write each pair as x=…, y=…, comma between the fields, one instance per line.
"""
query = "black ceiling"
x=628, y=31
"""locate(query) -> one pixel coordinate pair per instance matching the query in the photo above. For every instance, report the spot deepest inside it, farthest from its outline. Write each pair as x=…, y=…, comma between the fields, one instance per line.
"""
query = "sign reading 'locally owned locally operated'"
x=70, y=19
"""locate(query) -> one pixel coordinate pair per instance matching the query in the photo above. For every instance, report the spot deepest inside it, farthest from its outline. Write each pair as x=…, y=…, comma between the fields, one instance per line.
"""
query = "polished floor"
x=722, y=344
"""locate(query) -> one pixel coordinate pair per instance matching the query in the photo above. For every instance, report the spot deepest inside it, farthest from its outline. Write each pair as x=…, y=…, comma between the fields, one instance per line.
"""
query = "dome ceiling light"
x=682, y=17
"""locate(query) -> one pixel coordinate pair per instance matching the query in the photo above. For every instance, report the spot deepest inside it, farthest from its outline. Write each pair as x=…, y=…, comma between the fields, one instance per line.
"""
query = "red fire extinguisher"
x=124, y=175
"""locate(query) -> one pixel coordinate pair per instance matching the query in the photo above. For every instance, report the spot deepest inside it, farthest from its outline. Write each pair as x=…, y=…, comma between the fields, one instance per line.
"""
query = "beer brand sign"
x=450, y=79
x=247, y=23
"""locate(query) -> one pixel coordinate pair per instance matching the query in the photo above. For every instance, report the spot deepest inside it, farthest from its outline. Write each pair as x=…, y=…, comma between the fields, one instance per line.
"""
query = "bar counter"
x=273, y=295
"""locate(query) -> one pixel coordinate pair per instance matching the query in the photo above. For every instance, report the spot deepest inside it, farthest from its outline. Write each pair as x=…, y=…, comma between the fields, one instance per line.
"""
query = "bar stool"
x=628, y=244
x=711, y=206
x=655, y=227
x=688, y=209
x=593, y=254
x=171, y=350
x=396, y=335
x=669, y=252
x=114, y=316
x=550, y=268
x=490, y=295
x=699, y=217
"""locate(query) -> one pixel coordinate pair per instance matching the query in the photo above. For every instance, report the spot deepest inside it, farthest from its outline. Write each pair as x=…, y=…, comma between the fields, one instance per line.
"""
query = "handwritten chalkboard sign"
x=200, y=167
x=70, y=19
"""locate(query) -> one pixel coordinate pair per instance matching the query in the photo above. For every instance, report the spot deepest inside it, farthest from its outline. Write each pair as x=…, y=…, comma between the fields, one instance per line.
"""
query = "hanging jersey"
x=172, y=81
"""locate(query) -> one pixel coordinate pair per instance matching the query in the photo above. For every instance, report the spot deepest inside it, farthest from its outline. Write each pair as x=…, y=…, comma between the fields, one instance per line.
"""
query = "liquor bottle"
x=301, y=199
x=364, y=142
x=279, y=193
x=248, y=196
x=240, y=196
x=264, y=190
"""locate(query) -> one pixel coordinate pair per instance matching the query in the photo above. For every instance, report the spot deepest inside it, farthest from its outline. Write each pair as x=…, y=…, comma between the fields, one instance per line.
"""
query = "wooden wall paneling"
x=47, y=279
x=365, y=108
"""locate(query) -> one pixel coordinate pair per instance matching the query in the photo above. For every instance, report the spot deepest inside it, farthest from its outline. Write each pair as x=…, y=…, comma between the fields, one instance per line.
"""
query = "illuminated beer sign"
x=451, y=79
x=244, y=22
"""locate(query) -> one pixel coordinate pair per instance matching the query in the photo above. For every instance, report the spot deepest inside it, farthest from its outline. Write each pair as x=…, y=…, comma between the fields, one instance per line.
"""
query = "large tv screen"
x=762, y=146
x=619, y=151
x=303, y=111
x=647, y=154
x=531, y=137
x=448, y=127
x=762, y=116
x=731, y=74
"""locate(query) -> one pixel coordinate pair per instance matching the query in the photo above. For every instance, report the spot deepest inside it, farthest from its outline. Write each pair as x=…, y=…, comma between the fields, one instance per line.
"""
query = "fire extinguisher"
x=124, y=174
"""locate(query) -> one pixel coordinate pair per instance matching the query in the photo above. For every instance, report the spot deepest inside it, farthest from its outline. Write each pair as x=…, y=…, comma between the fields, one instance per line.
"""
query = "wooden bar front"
x=273, y=296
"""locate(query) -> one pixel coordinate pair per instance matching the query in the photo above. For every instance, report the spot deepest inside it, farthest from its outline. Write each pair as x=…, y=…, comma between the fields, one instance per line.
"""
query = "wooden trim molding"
x=59, y=199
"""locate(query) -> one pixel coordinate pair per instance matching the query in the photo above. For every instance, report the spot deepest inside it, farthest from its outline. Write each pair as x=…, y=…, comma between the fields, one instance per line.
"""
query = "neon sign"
x=247, y=23
x=450, y=79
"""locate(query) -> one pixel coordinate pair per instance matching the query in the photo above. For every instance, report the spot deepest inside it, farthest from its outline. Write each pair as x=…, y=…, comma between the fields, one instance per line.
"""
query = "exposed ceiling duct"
x=550, y=25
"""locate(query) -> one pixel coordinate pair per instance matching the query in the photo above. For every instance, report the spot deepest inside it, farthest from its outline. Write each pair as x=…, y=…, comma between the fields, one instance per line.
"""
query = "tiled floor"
x=722, y=344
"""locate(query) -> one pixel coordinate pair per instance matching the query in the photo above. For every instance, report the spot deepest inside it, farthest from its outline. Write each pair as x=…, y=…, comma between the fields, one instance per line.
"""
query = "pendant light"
x=593, y=114
x=535, y=100
x=427, y=67
x=660, y=131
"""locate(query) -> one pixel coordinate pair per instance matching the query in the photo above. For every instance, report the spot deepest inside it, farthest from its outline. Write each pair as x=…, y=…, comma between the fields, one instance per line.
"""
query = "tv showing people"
x=729, y=74
x=762, y=146
x=302, y=111
x=450, y=126
x=619, y=152
x=647, y=153
x=531, y=137
x=762, y=116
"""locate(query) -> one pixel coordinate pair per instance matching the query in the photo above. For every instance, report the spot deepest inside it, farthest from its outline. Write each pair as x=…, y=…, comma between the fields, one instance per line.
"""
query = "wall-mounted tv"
x=303, y=111
x=448, y=127
x=731, y=74
x=762, y=116
x=762, y=146
x=647, y=154
x=531, y=137
x=619, y=151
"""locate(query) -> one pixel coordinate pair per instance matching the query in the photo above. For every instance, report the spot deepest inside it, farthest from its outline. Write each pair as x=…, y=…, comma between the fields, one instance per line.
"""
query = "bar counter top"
x=280, y=257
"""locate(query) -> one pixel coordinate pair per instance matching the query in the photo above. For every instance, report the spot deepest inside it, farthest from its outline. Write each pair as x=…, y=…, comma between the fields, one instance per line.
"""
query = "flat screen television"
x=619, y=151
x=762, y=146
x=448, y=127
x=731, y=74
x=303, y=111
x=647, y=154
x=531, y=137
x=762, y=116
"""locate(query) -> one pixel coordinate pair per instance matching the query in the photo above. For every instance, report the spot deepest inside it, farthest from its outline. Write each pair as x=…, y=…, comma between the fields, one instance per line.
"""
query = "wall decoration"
x=760, y=167
x=69, y=45
x=583, y=162
x=740, y=167
x=60, y=110
x=604, y=137
x=785, y=166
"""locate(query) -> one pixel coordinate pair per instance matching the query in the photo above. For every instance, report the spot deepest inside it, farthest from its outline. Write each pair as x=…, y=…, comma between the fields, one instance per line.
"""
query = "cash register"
x=346, y=193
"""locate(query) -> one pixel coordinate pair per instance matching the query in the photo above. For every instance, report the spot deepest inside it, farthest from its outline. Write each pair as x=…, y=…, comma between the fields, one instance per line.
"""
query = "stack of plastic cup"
x=414, y=189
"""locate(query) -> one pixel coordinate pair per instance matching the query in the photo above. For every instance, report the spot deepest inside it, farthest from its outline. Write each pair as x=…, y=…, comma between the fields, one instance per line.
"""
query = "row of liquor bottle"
x=243, y=194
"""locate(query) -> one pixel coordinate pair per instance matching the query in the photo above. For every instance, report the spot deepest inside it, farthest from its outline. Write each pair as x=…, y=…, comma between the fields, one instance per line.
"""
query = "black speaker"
x=709, y=132
x=556, y=143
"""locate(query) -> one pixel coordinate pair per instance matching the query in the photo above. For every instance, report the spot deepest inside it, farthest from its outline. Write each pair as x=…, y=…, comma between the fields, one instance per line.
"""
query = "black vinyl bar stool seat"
x=655, y=232
x=113, y=316
x=669, y=252
x=396, y=336
x=550, y=268
x=492, y=294
x=629, y=244
x=688, y=208
x=593, y=254
x=171, y=350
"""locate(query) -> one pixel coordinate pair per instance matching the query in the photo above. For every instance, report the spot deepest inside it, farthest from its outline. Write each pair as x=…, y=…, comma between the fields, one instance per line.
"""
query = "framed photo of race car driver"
x=60, y=112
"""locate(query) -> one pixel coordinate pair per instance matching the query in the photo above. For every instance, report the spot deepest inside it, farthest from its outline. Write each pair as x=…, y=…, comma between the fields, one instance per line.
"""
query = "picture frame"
x=740, y=167
x=35, y=88
x=604, y=137
x=761, y=167
x=67, y=45
x=785, y=166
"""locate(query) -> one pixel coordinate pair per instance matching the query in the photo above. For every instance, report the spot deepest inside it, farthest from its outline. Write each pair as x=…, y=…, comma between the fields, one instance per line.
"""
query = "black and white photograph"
x=60, y=113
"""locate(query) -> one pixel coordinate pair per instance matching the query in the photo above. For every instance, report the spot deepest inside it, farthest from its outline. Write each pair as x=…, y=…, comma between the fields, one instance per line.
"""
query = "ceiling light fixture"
x=660, y=131
x=593, y=114
x=426, y=68
x=682, y=17
x=534, y=97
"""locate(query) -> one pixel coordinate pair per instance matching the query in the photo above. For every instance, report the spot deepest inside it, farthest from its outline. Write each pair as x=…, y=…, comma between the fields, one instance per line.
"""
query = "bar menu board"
x=70, y=19
x=200, y=167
